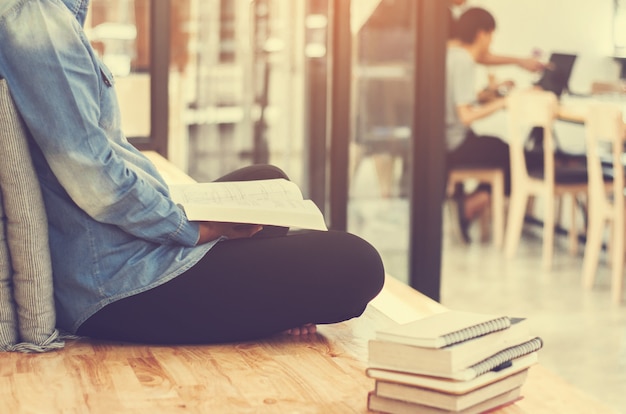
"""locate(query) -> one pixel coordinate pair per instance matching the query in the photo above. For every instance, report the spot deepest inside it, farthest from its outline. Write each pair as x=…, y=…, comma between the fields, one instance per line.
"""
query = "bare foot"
x=309, y=328
x=475, y=204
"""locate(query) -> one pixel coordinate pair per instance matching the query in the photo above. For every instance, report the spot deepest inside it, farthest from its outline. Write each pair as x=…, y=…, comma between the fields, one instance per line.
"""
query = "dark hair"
x=471, y=22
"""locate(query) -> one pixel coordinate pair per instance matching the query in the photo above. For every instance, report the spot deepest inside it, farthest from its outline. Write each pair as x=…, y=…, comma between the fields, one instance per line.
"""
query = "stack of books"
x=451, y=362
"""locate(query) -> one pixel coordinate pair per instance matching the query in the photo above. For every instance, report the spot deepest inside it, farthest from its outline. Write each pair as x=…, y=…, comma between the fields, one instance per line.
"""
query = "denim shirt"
x=113, y=230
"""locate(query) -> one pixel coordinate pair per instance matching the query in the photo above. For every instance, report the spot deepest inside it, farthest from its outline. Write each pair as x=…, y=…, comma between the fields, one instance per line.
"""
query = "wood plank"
x=281, y=374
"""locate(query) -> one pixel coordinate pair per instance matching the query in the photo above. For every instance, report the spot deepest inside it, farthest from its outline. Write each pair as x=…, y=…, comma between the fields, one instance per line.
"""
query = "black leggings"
x=482, y=151
x=488, y=151
x=247, y=289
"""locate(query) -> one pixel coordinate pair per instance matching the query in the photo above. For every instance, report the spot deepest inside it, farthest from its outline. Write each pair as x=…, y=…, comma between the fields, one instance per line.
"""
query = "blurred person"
x=474, y=32
x=531, y=64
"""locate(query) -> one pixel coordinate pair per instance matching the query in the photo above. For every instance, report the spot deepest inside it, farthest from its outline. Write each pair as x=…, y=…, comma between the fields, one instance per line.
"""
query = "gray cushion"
x=31, y=307
x=8, y=318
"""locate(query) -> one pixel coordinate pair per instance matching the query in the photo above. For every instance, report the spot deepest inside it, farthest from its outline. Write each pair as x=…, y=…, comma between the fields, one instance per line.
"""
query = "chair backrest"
x=528, y=109
x=604, y=129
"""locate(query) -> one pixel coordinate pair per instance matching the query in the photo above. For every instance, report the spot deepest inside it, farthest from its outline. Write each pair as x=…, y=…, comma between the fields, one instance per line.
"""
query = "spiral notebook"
x=443, y=329
x=396, y=360
x=499, y=361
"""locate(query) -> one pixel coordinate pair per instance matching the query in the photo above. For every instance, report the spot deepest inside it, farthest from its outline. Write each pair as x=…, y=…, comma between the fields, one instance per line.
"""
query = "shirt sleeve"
x=464, y=75
x=61, y=91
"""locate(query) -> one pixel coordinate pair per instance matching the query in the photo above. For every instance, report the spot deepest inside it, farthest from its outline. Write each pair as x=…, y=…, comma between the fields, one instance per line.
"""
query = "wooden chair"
x=605, y=125
x=528, y=109
x=494, y=177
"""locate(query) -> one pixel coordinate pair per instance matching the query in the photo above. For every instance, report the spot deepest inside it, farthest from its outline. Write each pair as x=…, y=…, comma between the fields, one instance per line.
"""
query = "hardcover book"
x=453, y=386
x=391, y=406
x=453, y=402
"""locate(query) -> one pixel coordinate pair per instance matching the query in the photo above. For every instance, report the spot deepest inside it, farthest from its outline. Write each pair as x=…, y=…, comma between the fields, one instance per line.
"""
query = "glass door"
x=383, y=43
x=396, y=151
x=241, y=90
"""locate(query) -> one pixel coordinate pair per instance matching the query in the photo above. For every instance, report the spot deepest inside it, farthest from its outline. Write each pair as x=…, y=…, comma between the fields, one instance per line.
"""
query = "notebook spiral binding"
x=507, y=355
x=477, y=330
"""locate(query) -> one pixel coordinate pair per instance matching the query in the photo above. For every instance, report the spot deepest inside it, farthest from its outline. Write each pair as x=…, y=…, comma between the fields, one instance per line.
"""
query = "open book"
x=276, y=202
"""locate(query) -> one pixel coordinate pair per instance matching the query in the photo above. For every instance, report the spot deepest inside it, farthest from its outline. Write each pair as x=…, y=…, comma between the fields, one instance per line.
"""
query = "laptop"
x=555, y=77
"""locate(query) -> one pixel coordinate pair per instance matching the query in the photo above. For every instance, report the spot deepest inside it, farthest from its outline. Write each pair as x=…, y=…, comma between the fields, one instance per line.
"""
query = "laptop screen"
x=556, y=77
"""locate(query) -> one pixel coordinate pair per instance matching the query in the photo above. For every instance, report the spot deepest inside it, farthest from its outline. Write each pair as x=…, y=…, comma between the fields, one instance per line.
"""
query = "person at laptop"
x=128, y=265
x=474, y=31
x=555, y=78
x=488, y=58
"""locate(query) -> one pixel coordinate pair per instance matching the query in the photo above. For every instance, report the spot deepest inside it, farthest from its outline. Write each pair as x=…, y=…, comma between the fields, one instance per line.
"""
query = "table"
x=574, y=109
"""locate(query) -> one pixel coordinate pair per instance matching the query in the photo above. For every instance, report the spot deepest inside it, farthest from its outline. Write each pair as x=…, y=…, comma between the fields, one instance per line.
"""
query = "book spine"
x=506, y=355
x=477, y=330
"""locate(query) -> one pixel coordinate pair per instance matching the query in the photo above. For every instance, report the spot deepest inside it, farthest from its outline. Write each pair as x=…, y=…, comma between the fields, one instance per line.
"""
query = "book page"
x=239, y=191
x=268, y=202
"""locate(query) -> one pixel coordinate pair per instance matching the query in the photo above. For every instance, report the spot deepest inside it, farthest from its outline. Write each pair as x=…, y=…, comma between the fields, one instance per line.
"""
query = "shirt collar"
x=78, y=8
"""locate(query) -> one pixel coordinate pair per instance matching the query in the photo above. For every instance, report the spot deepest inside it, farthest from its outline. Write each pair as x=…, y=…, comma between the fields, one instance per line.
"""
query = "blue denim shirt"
x=113, y=230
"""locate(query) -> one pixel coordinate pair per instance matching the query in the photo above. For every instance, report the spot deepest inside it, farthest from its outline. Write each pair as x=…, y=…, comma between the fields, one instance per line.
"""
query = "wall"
x=583, y=27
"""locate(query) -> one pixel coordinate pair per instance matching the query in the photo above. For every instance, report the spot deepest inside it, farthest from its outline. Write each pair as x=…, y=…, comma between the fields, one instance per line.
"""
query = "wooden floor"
x=321, y=373
x=273, y=376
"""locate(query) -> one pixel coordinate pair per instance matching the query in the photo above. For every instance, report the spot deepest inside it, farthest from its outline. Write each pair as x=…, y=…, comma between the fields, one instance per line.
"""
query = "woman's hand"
x=531, y=64
x=213, y=230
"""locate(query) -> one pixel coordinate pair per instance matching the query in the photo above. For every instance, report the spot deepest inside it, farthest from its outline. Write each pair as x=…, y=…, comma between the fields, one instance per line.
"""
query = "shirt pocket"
x=110, y=118
x=106, y=75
